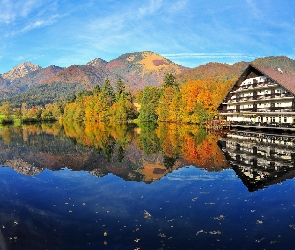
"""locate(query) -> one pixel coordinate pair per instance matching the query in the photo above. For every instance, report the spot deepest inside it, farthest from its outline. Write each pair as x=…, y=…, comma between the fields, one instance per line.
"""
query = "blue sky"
x=188, y=32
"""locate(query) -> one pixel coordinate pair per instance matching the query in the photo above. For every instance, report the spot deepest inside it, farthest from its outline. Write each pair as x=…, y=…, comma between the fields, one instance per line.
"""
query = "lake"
x=150, y=187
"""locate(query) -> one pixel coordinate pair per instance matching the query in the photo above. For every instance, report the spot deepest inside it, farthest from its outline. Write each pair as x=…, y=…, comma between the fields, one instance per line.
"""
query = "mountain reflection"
x=145, y=153
x=260, y=159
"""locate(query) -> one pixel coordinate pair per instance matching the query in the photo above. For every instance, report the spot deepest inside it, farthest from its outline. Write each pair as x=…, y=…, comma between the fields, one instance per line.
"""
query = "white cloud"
x=208, y=55
x=27, y=7
x=150, y=8
x=40, y=23
x=177, y=6
x=6, y=14
x=255, y=11
x=12, y=10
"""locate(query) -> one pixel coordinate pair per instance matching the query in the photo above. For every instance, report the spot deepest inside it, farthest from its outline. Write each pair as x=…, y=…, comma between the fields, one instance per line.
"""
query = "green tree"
x=170, y=81
x=96, y=89
x=107, y=92
x=46, y=115
x=120, y=89
x=149, y=104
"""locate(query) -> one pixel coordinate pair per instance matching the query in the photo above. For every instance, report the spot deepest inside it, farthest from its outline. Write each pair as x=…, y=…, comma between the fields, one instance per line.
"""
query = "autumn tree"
x=6, y=110
x=165, y=101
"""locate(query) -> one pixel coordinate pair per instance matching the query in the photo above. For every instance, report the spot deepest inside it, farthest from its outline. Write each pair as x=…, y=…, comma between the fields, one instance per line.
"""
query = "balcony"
x=259, y=110
x=263, y=97
x=255, y=85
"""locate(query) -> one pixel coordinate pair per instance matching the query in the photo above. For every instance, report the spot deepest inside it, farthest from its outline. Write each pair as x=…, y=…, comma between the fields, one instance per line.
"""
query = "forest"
x=193, y=102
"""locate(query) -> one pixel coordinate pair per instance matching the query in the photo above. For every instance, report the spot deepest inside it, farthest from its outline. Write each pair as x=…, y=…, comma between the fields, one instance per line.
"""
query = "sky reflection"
x=75, y=210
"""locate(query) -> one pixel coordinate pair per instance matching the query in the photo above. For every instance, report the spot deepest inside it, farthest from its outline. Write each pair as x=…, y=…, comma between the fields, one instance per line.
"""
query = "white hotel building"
x=261, y=96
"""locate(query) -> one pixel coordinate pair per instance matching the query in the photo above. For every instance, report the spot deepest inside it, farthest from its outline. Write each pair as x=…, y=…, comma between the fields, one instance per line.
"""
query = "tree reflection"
x=148, y=140
x=169, y=162
x=145, y=153
x=193, y=144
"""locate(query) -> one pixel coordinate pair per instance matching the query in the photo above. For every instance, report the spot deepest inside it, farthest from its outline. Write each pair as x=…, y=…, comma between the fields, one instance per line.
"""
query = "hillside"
x=19, y=85
x=212, y=69
x=137, y=70
x=86, y=75
x=143, y=69
x=274, y=62
x=20, y=71
x=35, y=85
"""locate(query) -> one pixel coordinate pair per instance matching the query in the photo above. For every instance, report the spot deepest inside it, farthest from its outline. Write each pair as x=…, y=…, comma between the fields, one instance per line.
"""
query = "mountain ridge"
x=20, y=70
x=137, y=70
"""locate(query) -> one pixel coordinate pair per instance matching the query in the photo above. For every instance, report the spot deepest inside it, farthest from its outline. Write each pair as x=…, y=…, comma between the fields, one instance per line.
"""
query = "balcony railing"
x=268, y=96
x=255, y=85
x=259, y=110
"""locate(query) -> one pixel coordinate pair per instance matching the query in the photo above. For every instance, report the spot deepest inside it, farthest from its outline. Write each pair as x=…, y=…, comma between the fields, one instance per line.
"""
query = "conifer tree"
x=169, y=81
x=120, y=89
x=149, y=104
x=96, y=89
x=107, y=92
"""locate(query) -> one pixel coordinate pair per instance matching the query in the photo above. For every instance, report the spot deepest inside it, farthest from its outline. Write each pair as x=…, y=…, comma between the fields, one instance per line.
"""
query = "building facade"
x=261, y=96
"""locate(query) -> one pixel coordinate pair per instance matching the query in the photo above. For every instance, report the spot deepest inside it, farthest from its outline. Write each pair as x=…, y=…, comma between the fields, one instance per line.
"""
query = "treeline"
x=24, y=114
x=102, y=104
x=192, y=102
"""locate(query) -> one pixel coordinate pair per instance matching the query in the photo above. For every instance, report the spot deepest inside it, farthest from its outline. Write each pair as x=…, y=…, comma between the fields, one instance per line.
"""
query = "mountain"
x=137, y=70
x=15, y=86
x=212, y=69
x=143, y=69
x=20, y=71
x=86, y=75
x=3, y=82
x=226, y=71
x=35, y=85
x=286, y=64
x=97, y=62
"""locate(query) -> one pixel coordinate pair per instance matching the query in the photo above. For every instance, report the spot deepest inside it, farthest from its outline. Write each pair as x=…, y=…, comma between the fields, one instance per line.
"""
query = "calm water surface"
x=153, y=187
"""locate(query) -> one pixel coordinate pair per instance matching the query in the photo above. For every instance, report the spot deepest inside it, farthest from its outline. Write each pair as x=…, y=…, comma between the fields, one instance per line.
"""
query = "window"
x=285, y=118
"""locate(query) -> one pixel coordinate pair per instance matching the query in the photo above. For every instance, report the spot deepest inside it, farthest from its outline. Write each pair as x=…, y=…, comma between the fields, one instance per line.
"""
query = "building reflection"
x=260, y=159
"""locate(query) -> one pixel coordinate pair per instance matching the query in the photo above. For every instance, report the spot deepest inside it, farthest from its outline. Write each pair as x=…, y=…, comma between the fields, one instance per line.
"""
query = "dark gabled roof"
x=285, y=80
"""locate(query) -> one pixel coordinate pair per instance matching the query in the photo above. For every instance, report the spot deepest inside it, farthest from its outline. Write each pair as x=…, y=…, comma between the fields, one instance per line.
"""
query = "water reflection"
x=260, y=159
x=160, y=187
x=148, y=152
x=144, y=153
